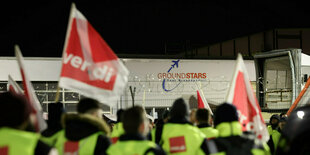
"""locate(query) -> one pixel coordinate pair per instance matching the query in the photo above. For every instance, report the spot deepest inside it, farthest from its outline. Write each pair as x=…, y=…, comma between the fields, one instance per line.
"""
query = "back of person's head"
x=55, y=111
x=296, y=133
x=87, y=105
x=179, y=109
x=225, y=113
x=202, y=116
x=133, y=118
x=14, y=110
x=119, y=114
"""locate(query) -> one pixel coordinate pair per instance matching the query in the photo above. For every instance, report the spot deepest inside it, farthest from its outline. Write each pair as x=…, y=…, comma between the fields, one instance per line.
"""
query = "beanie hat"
x=225, y=113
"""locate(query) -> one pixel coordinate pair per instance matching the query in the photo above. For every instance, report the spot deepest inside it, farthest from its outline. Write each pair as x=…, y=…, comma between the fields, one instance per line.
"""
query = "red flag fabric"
x=202, y=102
x=13, y=86
x=39, y=122
x=89, y=65
x=242, y=96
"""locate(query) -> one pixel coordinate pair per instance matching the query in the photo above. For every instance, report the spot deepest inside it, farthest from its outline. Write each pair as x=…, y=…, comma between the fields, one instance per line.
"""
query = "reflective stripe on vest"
x=17, y=142
x=181, y=139
x=117, y=131
x=86, y=145
x=131, y=147
x=227, y=129
x=209, y=132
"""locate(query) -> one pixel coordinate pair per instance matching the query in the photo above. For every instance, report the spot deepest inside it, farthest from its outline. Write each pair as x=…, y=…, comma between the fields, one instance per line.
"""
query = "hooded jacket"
x=78, y=127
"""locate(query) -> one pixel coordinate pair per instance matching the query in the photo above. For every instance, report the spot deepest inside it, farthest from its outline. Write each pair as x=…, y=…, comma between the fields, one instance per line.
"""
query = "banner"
x=89, y=65
x=242, y=96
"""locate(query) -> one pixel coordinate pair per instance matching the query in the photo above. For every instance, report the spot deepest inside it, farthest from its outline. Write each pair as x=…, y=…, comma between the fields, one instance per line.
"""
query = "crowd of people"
x=178, y=131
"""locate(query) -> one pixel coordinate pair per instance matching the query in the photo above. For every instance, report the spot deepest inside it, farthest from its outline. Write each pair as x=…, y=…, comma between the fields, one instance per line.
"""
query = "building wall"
x=258, y=42
x=145, y=76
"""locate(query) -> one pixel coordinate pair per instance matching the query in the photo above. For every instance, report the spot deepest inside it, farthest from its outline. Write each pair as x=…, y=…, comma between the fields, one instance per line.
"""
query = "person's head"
x=274, y=121
x=192, y=116
x=14, y=111
x=283, y=114
x=119, y=114
x=166, y=115
x=225, y=113
x=202, y=116
x=55, y=111
x=179, y=109
x=282, y=123
x=89, y=106
x=135, y=121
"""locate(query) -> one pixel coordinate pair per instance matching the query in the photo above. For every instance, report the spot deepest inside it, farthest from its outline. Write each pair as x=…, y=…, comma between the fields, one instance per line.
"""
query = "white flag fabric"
x=40, y=123
x=89, y=65
x=241, y=94
x=13, y=86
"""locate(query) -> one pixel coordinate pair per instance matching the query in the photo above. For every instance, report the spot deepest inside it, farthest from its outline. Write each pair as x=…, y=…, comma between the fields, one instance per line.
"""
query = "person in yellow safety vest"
x=55, y=111
x=203, y=119
x=134, y=142
x=15, y=114
x=273, y=132
x=178, y=135
x=118, y=129
x=85, y=132
x=230, y=140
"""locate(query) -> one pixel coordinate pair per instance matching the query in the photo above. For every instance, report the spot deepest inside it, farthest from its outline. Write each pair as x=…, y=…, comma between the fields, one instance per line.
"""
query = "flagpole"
x=73, y=8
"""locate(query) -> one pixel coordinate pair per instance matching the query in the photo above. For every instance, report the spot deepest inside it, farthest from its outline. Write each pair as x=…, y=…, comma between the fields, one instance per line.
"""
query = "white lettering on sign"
x=98, y=72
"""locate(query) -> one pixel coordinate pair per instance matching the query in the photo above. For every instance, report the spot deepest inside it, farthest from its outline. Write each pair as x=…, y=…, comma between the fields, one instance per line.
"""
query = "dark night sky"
x=143, y=26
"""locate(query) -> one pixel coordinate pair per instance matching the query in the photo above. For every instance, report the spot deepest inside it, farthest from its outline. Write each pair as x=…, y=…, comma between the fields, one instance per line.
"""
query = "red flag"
x=13, y=86
x=89, y=64
x=39, y=122
x=242, y=96
x=202, y=102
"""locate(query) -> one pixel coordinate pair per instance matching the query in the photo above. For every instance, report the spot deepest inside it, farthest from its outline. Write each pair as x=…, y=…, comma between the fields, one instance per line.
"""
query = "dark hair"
x=14, y=110
x=179, y=109
x=202, y=115
x=119, y=114
x=225, y=113
x=87, y=104
x=132, y=119
x=55, y=111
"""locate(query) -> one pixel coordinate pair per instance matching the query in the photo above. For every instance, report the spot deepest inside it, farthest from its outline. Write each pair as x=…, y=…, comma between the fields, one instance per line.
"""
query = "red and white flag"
x=202, y=102
x=14, y=87
x=39, y=122
x=242, y=96
x=89, y=65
